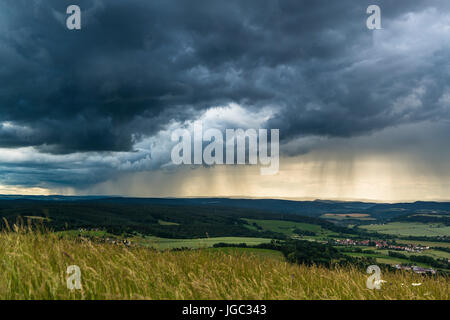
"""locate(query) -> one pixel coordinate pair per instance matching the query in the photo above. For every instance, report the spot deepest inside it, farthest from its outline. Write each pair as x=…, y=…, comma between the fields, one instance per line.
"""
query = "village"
x=381, y=244
x=415, y=269
x=90, y=234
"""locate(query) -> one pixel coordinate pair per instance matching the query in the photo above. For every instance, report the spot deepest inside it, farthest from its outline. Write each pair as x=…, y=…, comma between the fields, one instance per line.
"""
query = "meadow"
x=436, y=254
x=348, y=216
x=410, y=229
x=34, y=266
x=382, y=257
x=424, y=243
x=164, y=243
x=287, y=227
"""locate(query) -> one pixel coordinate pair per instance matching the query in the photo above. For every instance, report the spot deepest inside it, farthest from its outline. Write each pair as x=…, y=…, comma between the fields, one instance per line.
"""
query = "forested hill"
x=131, y=215
x=305, y=208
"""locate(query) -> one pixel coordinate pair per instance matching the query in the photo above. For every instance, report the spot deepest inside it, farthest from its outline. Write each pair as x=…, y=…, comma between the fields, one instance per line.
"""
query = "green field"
x=436, y=254
x=260, y=253
x=384, y=258
x=167, y=223
x=410, y=229
x=85, y=233
x=287, y=227
x=341, y=217
x=425, y=243
x=163, y=243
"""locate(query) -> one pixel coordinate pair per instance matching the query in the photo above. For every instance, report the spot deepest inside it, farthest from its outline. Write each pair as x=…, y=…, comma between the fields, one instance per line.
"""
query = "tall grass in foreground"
x=33, y=266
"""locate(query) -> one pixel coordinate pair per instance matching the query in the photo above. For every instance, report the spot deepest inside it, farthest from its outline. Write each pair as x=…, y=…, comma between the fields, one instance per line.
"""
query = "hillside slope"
x=34, y=267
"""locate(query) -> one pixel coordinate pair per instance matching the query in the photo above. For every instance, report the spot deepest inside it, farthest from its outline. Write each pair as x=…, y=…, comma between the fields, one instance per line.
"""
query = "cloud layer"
x=77, y=107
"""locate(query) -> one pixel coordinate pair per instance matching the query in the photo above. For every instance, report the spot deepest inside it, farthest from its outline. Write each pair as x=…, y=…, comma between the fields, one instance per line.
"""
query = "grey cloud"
x=137, y=66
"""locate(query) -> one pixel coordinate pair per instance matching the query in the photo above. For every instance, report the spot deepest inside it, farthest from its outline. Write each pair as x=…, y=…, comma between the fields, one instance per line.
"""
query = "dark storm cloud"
x=136, y=65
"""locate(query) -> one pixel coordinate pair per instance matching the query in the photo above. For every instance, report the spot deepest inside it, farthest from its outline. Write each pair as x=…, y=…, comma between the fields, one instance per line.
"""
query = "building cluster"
x=408, y=247
x=416, y=269
x=351, y=242
x=124, y=242
x=381, y=244
x=103, y=239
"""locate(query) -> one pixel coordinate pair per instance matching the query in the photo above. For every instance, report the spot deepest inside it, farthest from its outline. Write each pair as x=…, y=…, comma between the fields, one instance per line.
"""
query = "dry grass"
x=33, y=266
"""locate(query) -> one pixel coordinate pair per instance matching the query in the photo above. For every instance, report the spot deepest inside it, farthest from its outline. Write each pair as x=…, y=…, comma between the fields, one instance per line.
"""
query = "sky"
x=362, y=114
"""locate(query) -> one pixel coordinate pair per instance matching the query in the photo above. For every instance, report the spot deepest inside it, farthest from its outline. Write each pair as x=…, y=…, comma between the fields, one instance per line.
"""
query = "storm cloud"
x=102, y=99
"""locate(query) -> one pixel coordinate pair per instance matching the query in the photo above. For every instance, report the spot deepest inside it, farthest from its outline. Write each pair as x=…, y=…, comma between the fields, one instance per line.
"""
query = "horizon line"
x=294, y=199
